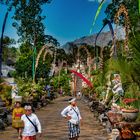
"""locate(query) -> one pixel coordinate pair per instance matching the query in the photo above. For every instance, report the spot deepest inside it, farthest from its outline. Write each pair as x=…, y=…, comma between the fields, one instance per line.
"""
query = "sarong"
x=28, y=137
x=74, y=130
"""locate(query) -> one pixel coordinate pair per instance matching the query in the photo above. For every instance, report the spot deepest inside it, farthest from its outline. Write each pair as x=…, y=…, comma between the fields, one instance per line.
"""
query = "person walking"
x=79, y=95
x=18, y=111
x=32, y=124
x=72, y=114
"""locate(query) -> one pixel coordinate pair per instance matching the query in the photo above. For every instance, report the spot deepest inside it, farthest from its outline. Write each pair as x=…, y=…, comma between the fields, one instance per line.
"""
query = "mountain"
x=103, y=39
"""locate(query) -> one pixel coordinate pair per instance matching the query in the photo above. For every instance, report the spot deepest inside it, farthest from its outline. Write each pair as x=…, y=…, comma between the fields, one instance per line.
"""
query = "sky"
x=66, y=20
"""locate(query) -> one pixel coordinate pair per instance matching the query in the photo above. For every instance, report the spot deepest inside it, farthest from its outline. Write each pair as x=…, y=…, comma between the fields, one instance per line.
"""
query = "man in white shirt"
x=31, y=124
x=72, y=114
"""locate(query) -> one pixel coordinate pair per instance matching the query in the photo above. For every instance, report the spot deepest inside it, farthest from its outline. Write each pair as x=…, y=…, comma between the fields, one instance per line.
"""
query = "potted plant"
x=129, y=109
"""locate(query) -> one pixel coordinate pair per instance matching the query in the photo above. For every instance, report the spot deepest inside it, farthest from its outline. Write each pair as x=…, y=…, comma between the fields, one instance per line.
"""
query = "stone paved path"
x=55, y=127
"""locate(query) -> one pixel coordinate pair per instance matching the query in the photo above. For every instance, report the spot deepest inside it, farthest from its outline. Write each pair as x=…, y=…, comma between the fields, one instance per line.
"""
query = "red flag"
x=82, y=77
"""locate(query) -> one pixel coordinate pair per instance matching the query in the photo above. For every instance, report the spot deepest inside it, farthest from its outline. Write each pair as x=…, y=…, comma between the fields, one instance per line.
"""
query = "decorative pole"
x=123, y=10
x=34, y=59
x=60, y=68
x=75, y=81
x=1, y=41
x=101, y=59
x=33, y=64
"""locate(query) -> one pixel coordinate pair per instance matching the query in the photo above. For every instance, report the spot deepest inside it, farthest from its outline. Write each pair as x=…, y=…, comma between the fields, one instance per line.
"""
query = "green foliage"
x=99, y=91
x=43, y=68
x=122, y=67
x=96, y=81
x=61, y=55
x=24, y=63
x=106, y=53
x=29, y=20
x=62, y=80
x=1, y=80
x=51, y=39
x=132, y=91
x=72, y=53
x=131, y=5
x=9, y=52
x=26, y=87
x=94, y=72
x=5, y=91
x=99, y=78
x=134, y=42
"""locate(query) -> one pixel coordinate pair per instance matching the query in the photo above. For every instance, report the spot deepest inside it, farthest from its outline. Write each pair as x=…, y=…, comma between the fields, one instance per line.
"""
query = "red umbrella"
x=82, y=77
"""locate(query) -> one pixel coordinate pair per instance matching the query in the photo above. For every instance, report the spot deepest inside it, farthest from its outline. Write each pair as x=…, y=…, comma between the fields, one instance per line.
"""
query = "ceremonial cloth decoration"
x=34, y=59
x=108, y=22
x=82, y=77
x=96, y=15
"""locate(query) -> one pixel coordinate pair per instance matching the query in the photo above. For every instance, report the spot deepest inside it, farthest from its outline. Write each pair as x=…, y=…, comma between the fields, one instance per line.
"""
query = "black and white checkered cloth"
x=74, y=130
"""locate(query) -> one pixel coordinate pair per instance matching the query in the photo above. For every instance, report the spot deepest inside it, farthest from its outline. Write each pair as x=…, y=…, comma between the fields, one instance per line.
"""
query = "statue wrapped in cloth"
x=117, y=88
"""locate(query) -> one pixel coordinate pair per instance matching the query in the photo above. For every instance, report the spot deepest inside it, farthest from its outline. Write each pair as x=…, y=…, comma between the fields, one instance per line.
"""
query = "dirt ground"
x=54, y=127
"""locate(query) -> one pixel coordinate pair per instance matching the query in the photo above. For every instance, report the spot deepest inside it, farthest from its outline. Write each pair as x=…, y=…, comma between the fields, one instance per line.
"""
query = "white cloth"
x=69, y=111
x=29, y=129
x=79, y=93
x=14, y=93
x=72, y=100
x=117, y=88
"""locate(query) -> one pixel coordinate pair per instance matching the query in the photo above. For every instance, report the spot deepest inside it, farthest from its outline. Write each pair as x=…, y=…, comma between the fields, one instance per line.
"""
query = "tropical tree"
x=72, y=52
x=29, y=20
x=62, y=80
x=10, y=53
x=132, y=7
x=29, y=15
x=24, y=63
x=30, y=27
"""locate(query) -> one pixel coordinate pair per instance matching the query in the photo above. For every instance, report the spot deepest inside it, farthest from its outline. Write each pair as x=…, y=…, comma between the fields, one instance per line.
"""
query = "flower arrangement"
x=129, y=100
x=129, y=104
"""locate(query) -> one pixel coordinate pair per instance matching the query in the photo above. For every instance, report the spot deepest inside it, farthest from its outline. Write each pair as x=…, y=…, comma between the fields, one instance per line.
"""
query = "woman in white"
x=31, y=121
x=72, y=114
